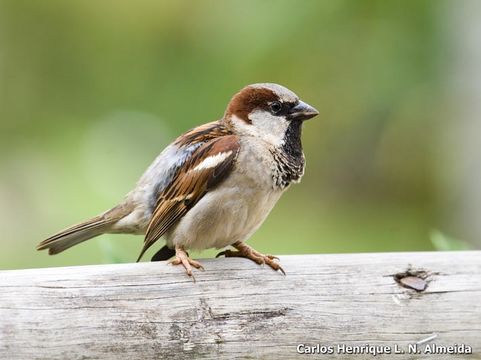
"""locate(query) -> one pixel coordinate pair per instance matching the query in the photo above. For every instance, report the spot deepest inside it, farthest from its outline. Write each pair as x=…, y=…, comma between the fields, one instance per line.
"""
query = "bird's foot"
x=245, y=251
x=181, y=257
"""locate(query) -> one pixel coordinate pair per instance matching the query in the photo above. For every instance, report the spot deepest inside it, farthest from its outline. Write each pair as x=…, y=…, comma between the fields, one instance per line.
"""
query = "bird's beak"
x=302, y=111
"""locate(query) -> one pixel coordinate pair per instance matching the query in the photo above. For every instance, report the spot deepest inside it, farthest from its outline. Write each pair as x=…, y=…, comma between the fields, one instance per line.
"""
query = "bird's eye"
x=276, y=107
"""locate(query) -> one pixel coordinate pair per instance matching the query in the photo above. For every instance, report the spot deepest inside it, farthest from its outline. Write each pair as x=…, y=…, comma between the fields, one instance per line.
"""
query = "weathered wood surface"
x=237, y=309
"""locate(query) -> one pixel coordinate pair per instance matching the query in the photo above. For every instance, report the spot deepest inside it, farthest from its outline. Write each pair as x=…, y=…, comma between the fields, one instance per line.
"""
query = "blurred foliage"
x=443, y=242
x=91, y=92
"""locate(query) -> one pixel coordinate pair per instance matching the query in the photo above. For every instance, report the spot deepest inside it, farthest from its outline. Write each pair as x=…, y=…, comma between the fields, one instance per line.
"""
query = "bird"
x=214, y=185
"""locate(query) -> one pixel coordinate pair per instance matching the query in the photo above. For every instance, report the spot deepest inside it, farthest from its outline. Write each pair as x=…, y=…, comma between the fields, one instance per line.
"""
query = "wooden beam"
x=238, y=309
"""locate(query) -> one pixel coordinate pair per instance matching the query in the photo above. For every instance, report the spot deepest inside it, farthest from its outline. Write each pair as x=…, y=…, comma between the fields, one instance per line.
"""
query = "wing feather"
x=208, y=166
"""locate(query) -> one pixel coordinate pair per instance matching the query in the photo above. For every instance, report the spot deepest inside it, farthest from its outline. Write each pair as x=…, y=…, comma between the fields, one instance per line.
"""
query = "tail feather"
x=74, y=235
x=84, y=231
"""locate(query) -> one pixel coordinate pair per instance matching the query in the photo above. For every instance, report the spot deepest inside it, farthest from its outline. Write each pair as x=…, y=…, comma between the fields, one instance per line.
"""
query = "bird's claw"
x=246, y=251
x=182, y=257
x=221, y=254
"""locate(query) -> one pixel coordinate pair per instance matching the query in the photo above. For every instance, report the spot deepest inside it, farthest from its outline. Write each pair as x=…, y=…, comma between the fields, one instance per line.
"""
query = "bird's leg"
x=181, y=257
x=245, y=251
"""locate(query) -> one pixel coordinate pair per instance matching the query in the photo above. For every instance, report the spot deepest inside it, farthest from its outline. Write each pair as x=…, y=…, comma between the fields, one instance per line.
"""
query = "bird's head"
x=267, y=111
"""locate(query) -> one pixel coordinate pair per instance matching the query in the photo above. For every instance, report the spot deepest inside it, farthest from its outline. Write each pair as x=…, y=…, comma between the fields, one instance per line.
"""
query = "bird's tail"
x=81, y=232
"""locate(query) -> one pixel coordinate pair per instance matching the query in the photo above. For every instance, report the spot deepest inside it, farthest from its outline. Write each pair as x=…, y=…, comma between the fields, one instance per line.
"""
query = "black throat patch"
x=289, y=159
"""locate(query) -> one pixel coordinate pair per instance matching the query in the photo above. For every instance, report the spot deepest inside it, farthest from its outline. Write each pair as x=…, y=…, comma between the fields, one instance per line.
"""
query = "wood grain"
x=237, y=309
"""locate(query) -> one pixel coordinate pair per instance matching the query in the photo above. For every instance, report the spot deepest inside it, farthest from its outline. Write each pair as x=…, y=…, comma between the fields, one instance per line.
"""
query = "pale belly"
x=224, y=216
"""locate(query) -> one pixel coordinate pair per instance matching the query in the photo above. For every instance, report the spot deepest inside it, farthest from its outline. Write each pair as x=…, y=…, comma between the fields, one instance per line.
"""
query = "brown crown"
x=249, y=99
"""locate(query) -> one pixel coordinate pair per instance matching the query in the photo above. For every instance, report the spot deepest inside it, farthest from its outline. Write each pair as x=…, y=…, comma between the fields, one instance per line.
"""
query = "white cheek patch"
x=269, y=127
x=212, y=161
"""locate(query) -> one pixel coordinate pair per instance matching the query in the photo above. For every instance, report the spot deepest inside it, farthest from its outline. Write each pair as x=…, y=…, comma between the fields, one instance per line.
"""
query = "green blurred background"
x=91, y=92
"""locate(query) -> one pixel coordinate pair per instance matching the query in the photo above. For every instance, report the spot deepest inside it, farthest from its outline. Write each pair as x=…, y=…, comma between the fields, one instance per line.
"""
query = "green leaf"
x=442, y=242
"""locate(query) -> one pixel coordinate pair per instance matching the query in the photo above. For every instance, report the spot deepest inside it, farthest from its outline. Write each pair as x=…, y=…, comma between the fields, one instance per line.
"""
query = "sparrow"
x=214, y=185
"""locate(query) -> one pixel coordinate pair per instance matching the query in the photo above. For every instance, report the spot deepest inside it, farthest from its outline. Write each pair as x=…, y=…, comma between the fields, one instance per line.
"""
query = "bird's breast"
x=231, y=212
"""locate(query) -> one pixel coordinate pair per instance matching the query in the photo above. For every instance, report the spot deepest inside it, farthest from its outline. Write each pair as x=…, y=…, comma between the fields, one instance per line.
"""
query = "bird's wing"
x=209, y=165
x=163, y=169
